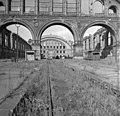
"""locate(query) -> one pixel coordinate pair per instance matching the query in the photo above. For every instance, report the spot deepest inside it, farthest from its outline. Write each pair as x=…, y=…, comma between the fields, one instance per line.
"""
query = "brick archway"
x=100, y=23
x=109, y=26
x=57, y=22
x=21, y=22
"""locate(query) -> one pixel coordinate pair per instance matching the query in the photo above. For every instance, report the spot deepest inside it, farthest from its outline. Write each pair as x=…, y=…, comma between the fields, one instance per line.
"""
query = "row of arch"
x=59, y=6
x=38, y=34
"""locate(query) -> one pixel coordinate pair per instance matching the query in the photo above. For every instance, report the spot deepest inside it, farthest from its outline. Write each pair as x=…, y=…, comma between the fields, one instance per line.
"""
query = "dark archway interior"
x=114, y=9
x=103, y=41
x=1, y=4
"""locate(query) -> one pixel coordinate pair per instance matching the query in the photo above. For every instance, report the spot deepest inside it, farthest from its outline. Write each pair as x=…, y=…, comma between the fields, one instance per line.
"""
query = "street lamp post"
x=17, y=25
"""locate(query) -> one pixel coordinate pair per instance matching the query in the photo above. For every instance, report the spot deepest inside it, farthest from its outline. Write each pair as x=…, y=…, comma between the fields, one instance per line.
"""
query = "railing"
x=99, y=14
x=113, y=14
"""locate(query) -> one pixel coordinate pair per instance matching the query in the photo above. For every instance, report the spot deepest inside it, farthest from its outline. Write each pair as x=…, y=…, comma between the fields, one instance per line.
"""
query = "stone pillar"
x=117, y=53
x=22, y=6
x=106, y=39
x=78, y=7
x=78, y=49
x=64, y=7
x=87, y=44
x=51, y=7
x=36, y=7
x=118, y=66
x=106, y=11
x=93, y=43
x=7, y=7
x=100, y=41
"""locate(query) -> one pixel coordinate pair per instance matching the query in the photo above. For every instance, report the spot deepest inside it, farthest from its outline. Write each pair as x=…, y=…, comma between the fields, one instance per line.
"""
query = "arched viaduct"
x=76, y=21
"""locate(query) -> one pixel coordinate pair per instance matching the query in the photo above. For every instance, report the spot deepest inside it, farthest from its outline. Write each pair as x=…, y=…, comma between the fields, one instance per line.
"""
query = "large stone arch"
x=109, y=26
x=58, y=22
x=100, y=23
x=22, y=22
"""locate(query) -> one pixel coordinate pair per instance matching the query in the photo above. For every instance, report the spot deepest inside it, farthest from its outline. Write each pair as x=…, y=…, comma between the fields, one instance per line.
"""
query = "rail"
x=49, y=90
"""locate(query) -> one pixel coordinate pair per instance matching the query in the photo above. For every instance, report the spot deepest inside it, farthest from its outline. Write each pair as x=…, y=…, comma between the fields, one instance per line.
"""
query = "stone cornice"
x=48, y=17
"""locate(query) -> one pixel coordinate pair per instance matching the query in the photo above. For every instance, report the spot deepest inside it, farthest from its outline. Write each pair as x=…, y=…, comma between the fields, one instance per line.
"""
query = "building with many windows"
x=12, y=45
x=59, y=6
x=55, y=44
x=100, y=42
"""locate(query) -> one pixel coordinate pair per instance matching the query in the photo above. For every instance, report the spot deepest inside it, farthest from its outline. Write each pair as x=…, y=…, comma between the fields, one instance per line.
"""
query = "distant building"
x=102, y=41
x=54, y=43
x=12, y=45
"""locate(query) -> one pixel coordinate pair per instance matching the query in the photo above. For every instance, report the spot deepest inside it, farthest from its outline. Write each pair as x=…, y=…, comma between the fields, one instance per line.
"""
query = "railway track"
x=59, y=89
x=37, y=100
x=49, y=90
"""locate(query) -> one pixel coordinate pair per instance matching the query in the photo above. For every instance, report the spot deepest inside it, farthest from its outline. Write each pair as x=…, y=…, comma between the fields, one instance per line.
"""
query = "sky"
x=22, y=31
x=60, y=31
x=91, y=30
x=53, y=30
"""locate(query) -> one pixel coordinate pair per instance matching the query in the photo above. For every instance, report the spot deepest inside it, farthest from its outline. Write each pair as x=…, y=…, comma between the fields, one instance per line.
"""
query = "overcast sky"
x=22, y=31
x=54, y=30
x=60, y=31
x=91, y=30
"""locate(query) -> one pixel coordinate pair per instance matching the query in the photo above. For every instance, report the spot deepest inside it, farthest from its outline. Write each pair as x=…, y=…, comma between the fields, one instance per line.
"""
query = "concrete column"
x=64, y=7
x=51, y=7
x=7, y=7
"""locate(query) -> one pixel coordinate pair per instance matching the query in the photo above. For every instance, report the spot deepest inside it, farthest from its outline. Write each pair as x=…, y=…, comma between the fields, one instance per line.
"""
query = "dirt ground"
x=78, y=87
x=12, y=74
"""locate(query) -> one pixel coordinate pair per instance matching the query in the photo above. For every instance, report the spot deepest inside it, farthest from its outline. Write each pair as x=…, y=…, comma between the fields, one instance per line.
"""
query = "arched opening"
x=58, y=43
x=14, y=37
x=92, y=6
x=112, y=10
x=99, y=42
x=2, y=7
x=61, y=41
x=97, y=7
